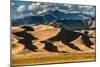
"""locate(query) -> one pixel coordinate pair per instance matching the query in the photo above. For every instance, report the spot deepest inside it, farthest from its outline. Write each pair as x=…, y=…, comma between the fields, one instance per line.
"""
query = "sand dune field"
x=22, y=56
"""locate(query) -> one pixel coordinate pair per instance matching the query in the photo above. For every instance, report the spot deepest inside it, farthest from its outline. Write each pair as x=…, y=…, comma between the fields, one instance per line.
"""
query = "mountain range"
x=68, y=20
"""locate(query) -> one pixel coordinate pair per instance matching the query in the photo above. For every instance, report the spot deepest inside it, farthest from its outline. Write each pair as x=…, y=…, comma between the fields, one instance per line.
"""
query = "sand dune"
x=16, y=29
x=44, y=34
x=78, y=42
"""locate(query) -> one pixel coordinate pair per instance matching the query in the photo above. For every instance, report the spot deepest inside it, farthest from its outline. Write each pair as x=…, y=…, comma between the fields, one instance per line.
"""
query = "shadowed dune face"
x=50, y=47
x=65, y=35
x=25, y=35
x=28, y=44
x=27, y=40
x=87, y=41
x=27, y=28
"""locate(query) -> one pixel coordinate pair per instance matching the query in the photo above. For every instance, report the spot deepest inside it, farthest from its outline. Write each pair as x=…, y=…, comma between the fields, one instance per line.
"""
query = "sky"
x=21, y=9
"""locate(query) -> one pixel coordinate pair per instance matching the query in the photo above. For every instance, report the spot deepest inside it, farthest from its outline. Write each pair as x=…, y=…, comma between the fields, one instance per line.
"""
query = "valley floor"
x=51, y=58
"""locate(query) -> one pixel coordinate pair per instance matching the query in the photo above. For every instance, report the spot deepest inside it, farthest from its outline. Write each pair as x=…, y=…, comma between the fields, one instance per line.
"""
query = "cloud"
x=87, y=7
x=43, y=11
x=68, y=5
x=21, y=8
x=33, y=6
x=38, y=3
x=38, y=8
x=12, y=3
